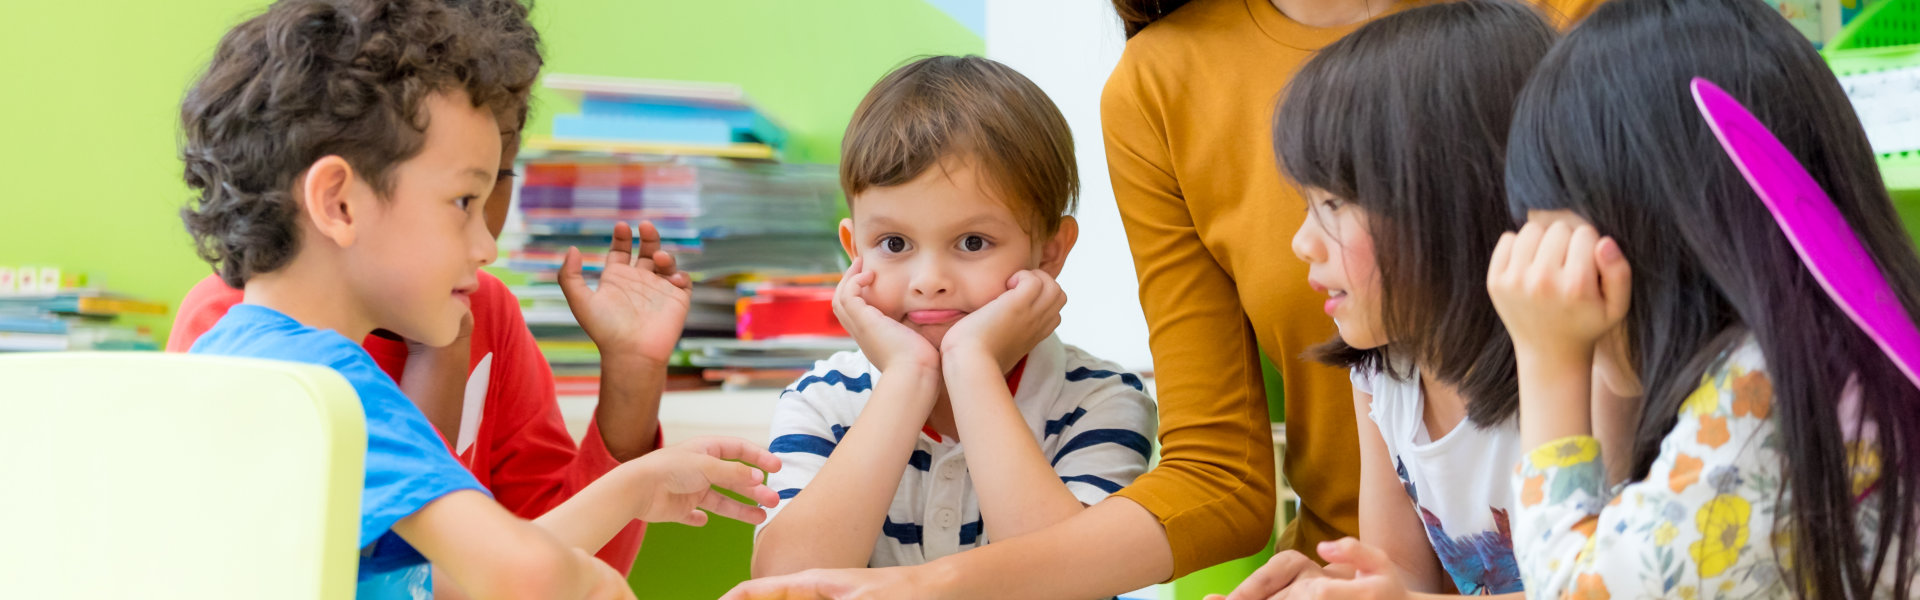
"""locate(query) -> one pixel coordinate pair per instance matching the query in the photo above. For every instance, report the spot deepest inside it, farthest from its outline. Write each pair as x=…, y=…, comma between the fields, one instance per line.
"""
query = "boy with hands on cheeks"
x=959, y=173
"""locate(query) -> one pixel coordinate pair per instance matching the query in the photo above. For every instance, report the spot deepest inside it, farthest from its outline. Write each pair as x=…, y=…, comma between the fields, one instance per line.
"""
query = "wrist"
x=1552, y=355
x=939, y=579
x=615, y=360
x=969, y=359
x=912, y=365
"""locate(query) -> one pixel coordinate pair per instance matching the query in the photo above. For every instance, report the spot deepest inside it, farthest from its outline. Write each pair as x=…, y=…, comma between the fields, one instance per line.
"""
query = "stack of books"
x=694, y=159
x=71, y=319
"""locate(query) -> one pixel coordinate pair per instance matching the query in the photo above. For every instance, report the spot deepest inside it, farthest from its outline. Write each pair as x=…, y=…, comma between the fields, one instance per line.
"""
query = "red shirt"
x=519, y=449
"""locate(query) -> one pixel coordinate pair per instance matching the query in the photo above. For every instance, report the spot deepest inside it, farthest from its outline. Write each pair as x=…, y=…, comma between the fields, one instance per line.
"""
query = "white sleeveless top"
x=1462, y=484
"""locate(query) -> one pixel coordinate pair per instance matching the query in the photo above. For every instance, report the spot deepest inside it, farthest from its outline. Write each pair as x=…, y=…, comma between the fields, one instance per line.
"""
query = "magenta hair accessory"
x=1819, y=234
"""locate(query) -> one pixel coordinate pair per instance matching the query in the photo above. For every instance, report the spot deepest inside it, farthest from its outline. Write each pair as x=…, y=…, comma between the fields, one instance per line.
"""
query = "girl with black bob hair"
x=1396, y=135
x=1777, y=452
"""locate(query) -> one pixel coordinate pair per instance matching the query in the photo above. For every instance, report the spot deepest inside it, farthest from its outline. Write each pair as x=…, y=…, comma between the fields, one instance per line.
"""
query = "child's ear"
x=326, y=197
x=1053, y=253
x=846, y=239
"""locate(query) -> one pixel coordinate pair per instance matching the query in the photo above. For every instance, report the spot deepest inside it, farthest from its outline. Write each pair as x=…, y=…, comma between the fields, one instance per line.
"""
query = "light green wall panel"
x=90, y=180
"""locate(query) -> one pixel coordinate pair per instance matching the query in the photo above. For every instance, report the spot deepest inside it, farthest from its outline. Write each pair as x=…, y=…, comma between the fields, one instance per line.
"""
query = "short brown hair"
x=314, y=78
x=964, y=105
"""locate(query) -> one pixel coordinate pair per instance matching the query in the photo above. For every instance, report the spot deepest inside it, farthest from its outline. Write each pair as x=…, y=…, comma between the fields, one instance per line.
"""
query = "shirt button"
x=950, y=472
x=946, y=518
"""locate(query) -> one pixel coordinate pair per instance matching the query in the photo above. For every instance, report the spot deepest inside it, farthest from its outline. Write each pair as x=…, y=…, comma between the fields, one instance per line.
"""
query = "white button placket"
x=941, y=534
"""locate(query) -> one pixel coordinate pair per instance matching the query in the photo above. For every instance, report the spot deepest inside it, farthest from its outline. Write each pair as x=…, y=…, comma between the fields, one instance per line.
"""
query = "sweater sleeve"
x=1213, y=490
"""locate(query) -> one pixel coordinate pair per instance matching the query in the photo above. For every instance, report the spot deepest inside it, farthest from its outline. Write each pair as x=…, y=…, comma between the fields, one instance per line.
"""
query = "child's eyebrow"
x=481, y=174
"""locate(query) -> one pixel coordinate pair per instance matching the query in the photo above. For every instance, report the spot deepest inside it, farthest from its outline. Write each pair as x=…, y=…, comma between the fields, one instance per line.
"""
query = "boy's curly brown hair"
x=348, y=78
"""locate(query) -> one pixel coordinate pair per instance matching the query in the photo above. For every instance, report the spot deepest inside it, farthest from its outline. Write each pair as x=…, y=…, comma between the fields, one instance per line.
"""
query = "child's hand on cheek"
x=1558, y=288
x=1008, y=327
x=641, y=304
x=887, y=343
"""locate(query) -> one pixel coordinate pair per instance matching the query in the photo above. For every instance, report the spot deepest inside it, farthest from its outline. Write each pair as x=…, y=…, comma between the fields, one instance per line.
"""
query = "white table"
x=744, y=414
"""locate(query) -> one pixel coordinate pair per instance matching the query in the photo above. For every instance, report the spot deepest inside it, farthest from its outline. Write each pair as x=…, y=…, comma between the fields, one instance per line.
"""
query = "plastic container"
x=1885, y=36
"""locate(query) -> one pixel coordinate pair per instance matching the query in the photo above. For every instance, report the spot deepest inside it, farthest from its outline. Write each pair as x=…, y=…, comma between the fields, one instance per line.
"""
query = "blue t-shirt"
x=407, y=464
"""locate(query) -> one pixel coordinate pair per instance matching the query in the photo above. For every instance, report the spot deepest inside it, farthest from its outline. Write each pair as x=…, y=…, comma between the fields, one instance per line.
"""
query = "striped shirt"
x=1094, y=422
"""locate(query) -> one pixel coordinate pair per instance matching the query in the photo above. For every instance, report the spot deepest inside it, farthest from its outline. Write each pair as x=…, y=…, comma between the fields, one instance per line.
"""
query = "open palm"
x=641, y=304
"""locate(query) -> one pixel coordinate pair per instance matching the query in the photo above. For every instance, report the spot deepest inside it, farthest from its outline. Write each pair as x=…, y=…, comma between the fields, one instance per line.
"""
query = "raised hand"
x=641, y=304
x=1009, y=326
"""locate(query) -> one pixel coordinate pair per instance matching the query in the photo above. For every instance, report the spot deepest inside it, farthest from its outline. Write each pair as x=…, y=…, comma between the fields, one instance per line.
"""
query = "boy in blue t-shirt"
x=342, y=152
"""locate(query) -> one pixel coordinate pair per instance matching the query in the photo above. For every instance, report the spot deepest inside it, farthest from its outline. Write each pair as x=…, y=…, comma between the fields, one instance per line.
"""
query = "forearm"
x=1614, y=420
x=488, y=553
x=1110, y=548
x=629, y=410
x=1555, y=394
x=1018, y=489
x=833, y=523
x=596, y=513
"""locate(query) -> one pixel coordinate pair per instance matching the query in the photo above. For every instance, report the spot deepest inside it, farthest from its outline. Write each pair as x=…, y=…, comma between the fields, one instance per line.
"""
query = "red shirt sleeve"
x=204, y=305
x=533, y=463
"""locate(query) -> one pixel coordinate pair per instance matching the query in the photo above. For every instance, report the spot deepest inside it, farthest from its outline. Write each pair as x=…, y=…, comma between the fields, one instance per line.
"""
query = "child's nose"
x=1306, y=244
x=931, y=279
x=483, y=247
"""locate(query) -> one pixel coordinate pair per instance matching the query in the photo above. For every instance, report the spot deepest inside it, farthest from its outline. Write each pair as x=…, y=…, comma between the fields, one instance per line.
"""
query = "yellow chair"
x=134, y=475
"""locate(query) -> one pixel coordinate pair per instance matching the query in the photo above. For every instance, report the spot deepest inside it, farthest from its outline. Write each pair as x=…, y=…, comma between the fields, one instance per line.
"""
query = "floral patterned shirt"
x=1703, y=524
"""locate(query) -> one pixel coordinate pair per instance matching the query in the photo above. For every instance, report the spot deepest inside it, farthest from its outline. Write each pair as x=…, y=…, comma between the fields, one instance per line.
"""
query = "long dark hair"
x=1407, y=118
x=1607, y=128
x=1136, y=15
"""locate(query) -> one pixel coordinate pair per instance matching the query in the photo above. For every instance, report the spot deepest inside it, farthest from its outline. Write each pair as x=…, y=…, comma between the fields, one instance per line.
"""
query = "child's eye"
x=894, y=243
x=973, y=243
x=1331, y=204
x=464, y=201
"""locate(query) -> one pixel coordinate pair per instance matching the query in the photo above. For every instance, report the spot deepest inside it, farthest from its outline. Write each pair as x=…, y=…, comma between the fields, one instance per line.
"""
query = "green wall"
x=89, y=115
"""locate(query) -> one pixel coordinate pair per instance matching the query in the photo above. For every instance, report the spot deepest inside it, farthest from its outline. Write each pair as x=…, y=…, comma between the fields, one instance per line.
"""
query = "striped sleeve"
x=807, y=425
x=1104, y=441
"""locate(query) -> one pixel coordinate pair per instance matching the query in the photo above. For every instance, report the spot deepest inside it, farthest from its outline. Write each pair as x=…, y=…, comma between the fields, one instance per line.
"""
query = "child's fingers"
x=719, y=504
x=1579, y=270
x=1616, y=277
x=1278, y=574
x=649, y=239
x=1502, y=254
x=1526, y=246
x=681, y=280
x=1055, y=296
x=1551, y=253
x=844, y=291
x=621, y=251
x=664, y=264
x=696, y=518
x=726, y=448
x=1364, y=558
x=572, y=284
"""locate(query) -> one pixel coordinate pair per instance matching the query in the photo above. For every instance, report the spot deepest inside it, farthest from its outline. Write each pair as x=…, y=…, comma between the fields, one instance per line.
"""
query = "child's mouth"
x=934, y=317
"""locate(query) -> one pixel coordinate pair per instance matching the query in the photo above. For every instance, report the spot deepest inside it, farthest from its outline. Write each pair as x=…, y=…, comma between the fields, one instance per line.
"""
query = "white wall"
x=1068, y=47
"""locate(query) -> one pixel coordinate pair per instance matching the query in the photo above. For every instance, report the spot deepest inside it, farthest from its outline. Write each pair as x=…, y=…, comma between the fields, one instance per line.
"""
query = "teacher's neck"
x=1331, y=13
